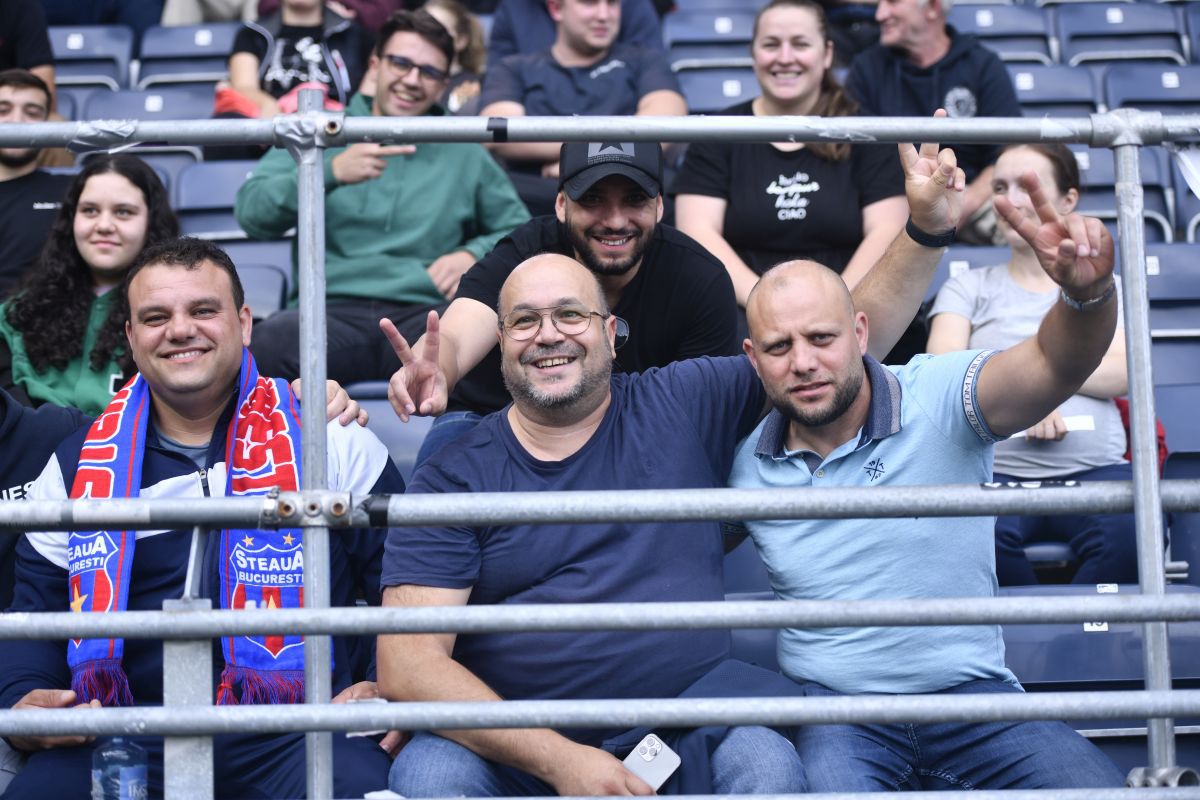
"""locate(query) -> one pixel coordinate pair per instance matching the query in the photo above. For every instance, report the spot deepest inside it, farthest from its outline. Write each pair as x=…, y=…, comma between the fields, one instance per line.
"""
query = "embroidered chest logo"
x=874, y=468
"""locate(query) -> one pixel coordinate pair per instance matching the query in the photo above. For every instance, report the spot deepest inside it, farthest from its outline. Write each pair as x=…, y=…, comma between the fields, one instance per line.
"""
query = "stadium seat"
x=204, y=197
x=265, y=286
x=716, y=38
x=166, y=103
x=403, y=439
x=1098, y=172
x=277, y=252
x=1176, y=406
x=92, y=55
x=686, y=6
x=1174, y=361
x=1016, y=33
x=1173, y=281
x=1191, y=19
x=709, y=90
x=960, y=258
x=66, y=106
x=1187, y=204
x=744, y=570
x=1118, y=31
x=1167, y=88
x=1184, y=464
x=1054, y=91
x=187, y=54
x=754, y=645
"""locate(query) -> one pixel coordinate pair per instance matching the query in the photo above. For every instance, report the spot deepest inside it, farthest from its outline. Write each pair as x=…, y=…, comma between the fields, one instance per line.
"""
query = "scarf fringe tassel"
x=103, y=680
x=260, y=687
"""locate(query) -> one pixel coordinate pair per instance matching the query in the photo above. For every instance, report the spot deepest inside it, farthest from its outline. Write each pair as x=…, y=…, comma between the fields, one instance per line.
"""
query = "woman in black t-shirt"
x=754, y=205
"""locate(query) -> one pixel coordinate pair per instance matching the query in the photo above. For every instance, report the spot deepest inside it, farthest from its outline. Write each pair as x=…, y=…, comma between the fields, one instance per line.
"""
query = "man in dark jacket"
x=920, y=65
x=188, y=331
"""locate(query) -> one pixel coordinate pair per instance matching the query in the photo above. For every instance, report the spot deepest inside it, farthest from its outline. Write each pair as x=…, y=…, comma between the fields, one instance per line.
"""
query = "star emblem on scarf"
x=288, y=538
x=247, y=540
x=77, y=603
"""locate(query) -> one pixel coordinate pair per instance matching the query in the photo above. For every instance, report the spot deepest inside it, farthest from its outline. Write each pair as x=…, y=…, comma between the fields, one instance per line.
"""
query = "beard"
x=13, y=158
x=843, y=397
x=523, y=391
x=582, y=245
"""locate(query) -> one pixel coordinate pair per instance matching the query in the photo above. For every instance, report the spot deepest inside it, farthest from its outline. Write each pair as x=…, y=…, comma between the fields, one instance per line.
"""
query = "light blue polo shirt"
x=922, y=427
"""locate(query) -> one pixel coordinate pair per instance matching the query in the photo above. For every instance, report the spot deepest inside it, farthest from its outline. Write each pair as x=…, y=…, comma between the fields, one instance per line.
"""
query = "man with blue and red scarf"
x=197, y=420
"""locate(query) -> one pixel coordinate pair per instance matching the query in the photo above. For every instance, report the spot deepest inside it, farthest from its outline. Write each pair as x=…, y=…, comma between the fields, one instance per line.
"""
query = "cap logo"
x=609, y=151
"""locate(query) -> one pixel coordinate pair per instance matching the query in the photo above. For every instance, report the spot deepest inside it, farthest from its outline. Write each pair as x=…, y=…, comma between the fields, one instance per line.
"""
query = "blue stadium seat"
x=187, y=54
x=709, y=90
x=744, y=570
x=277, y=252
x=686, y=6
x=1187, y=206
x=1174, y=361
x=754, y=645
x=204, y=197
x=1175, y=405
x=92, y=55
x=1098, y=172
x=66, y=106
x=1173, y=281
x=960, y=258
x=1016, y=33
x=1191, y=19
x=1167, y=88
x=1054, y=91
x=716, y=37
x=1117, y=31
x=265, y=286
x=166, y=103
x=1185, y=525
x=403, y=439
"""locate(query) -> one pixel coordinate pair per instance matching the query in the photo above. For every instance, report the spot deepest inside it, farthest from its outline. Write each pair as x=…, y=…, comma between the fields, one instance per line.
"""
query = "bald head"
x=791, y=281
x=550, y=279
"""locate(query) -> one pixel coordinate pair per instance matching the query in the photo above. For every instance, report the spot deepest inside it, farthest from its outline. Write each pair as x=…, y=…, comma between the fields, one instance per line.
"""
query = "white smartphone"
x=652, y=761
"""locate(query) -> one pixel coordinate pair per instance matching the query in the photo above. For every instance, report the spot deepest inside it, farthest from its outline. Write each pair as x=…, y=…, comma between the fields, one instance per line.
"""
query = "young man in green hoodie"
x=403, y=222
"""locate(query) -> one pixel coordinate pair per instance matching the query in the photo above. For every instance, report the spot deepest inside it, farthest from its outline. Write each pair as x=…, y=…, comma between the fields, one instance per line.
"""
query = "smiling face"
x=907, y=24
x=21, y=104
x=406, y=92
x=791, y=56
x=610, y=224
x=1010, y=166
x=186, y=334
x=586, y=27
x=564, y=374
x=110, y=226
x=807, y=343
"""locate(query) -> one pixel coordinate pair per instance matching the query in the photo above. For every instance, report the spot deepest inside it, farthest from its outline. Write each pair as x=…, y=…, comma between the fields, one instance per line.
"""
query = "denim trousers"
x=749, y=760
x=951, y=755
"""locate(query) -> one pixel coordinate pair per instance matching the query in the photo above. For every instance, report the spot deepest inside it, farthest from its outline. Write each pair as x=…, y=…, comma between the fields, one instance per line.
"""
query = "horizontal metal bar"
x=604, y=616
x=336, y=130
x=680, y=505
x=626, y=713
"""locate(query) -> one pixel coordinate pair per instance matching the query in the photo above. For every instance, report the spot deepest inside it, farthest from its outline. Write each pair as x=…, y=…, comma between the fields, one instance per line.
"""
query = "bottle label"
x=133, y=783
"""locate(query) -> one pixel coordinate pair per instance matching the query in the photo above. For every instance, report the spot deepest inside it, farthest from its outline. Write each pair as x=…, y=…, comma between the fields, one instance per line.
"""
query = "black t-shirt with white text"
x=785, y=205
x=28, y=207
x=679, y=305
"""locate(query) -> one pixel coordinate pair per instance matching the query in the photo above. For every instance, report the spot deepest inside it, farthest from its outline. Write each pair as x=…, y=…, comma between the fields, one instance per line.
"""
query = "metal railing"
x=187, y=625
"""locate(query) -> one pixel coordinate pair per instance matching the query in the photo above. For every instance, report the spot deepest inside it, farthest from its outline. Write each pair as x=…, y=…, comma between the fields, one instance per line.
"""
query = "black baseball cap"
x=582, y=164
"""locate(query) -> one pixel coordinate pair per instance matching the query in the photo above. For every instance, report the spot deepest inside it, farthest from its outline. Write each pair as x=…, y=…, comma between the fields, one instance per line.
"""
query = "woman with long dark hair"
x=754, y=205
x=62, y=336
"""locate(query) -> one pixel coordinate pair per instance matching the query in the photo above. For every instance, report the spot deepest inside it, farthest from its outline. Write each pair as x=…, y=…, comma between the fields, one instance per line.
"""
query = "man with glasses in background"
x=402, y=222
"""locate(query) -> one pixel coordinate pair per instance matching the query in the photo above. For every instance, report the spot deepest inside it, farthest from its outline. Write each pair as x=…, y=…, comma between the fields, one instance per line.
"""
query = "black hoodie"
x=969, y=81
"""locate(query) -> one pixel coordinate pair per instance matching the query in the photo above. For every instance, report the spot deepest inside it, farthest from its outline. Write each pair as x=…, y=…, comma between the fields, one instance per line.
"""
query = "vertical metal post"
x=311, y=231
x=187, y=681
x=1147, y=505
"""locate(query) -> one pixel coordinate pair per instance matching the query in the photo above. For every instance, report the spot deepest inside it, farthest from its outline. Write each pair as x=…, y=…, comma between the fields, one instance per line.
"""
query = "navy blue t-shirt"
x=611, y=87
x=669, y=428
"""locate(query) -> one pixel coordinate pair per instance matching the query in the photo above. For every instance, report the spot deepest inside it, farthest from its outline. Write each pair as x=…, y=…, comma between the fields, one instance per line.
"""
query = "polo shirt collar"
x=883, y=416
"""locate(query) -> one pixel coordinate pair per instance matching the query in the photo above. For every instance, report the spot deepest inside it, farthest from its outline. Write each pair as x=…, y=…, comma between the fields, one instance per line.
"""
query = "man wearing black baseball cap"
x=674, y=298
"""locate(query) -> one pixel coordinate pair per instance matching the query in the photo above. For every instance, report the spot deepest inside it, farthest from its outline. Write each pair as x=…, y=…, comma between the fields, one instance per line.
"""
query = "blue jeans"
x=951, y=755
x=1106, y=544
x=444, y=430
x=749, y=760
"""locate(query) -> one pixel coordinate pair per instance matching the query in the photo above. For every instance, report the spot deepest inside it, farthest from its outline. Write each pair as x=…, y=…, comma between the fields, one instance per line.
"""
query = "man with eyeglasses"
x=402, y=223
x=574, y=425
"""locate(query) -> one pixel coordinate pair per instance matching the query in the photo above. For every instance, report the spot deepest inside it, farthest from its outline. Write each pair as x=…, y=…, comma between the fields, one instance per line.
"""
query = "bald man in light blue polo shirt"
x=842, y=419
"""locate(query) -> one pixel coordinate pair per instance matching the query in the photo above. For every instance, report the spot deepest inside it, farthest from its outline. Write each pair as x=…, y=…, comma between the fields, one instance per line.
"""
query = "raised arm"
x=891, y=292
x=1023, y=384
x=420, y=667
x=450, y=348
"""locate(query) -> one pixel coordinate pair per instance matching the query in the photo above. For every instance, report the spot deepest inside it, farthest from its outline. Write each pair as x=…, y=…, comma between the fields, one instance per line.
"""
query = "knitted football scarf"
x=259, y=569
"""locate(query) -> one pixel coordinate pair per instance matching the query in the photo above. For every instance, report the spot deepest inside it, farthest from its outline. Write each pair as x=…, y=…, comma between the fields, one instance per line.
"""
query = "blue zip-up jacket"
x=357, y=462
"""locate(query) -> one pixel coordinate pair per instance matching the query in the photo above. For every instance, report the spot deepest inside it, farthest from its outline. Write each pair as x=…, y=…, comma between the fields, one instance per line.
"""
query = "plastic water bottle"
x=119, y=771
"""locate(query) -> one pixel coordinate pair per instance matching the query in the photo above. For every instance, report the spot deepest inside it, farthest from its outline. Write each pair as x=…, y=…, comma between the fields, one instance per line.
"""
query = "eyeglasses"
x=404, y=65
x=524, y=323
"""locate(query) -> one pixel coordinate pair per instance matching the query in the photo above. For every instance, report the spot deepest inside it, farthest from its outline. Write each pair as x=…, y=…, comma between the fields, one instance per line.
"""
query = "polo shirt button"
x=820, y=473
